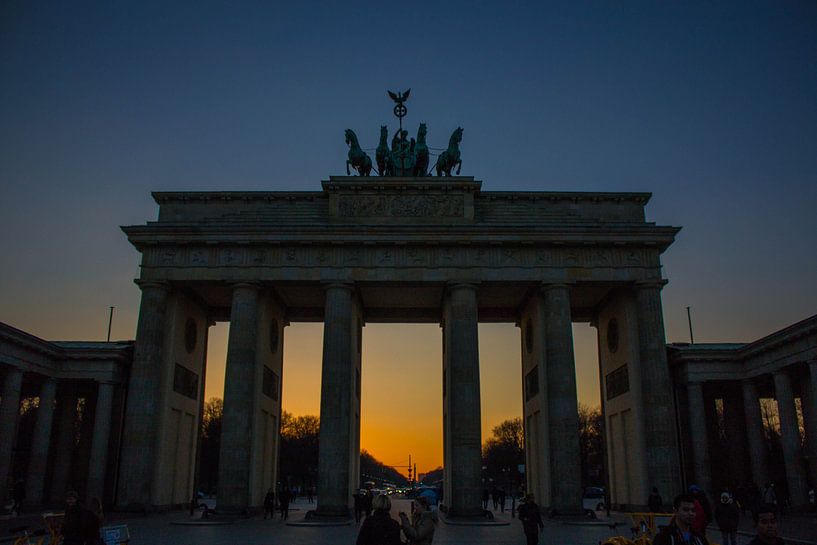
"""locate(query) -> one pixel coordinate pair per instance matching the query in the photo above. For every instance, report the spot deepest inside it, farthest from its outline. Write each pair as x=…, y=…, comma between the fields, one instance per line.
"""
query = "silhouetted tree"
x=591, y=445
x=298, y=463
x=372, y=469
x=210, y=443
x=503, y=452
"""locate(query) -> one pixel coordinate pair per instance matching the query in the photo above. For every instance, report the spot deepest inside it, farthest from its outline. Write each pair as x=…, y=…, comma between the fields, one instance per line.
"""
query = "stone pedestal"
x=9, y=414
x=38, y=460
x=698, y=437
x=663, y=466
x=563, y=412
x=790, y=440
x=462, y=427
x=758, y=455
x=139, y=439
x=98, y=463
x=236, y=437
x=337, y=392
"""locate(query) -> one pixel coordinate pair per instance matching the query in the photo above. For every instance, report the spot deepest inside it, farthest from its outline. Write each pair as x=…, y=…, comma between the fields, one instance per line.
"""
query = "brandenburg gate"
x=397, y=249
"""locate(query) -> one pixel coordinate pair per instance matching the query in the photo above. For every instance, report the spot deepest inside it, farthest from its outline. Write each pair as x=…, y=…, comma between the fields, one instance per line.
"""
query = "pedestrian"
x=531, y=518
x=380, y=528
x=360, y=504
x=766, y=526
x=283, y=503
x=79, y=525
x=18, y=494
x=310, y=494
x=501, y=499
x=269, y=504
x=420, y=529
x=654, y=501
x=680, y=531
x=486, y=494
x=769, y=494
x=495, y=497
x=727, y=515
x=703, y=510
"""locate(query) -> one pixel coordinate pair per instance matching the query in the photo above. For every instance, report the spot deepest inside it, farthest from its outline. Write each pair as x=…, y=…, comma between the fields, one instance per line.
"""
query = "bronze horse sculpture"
x=421, y=152
x=358, y=158
x=385, y=167
x=451, y=156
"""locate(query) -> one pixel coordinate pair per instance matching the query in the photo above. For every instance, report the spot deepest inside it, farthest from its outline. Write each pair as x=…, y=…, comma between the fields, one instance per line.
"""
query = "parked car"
x=593, y=499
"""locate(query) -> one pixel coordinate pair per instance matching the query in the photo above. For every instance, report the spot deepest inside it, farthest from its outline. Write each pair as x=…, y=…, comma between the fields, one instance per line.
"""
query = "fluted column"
x=663, y=466
x=40, y=443
x=790, y=439
x=98, y=463
x=337, y=383
x=563, y=410
x=239, y=386
x=810, y=417
x=463, y=391
x=758, y=454
x=141, y=419
x=698, y=437
x=9, y=414
x=64, y=445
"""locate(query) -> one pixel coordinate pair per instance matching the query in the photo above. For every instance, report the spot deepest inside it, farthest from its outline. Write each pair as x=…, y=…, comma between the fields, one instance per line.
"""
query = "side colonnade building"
x=731, y=396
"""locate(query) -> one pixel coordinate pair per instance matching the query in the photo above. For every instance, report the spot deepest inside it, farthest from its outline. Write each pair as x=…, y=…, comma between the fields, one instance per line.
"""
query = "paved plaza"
x=158, y=530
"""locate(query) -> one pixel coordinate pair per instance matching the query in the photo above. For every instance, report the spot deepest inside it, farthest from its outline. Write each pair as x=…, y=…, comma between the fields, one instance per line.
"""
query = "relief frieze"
x=411, y=206
x=403, y=256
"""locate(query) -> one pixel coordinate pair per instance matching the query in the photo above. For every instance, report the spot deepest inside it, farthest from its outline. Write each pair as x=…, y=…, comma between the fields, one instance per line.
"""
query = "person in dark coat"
x=80, y=526
x=766, y=526
x=360, y=504
x=679, y=531
x=18, y=494
x=654, y=501
x=379, y=528
x=727, y=515
x=531, y=519
x=283, y=502
x=269, y=504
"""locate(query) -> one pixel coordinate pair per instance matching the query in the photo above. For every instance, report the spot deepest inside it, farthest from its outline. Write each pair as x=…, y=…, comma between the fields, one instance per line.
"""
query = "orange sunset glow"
x=401, y=410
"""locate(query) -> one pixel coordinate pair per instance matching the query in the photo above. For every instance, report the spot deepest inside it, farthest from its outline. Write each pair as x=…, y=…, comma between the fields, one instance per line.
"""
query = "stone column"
x=239, y=389
x=40, y=443
x=735, y=433
x=810, y=417
x=699, y=438
x=9, y=414
x=98, y=463
x=465, y=432
x=337, y=392
x=790, y=439
x=758, y=454
x=663, y=466
x=64, y=446
x=141, y=419
x=563, y=411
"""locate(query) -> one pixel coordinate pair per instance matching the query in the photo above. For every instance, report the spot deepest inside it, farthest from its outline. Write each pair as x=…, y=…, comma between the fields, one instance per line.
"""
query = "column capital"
x=338, y=284
x=651, y=283
x=458, y=285
x=152, y=284
x=246, y=285
x=548, y=286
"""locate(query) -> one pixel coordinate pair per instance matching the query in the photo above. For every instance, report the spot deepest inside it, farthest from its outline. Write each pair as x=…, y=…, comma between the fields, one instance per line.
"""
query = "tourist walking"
x=18, y=494
x=283, y=503
x=727, y=515
x=680, y=531
x=359, y=503
x=531, y=518
x=654, y=501
x=766, y=526
x=80, y=526
x=379, y=528
x=269, y=504
x=420, y=529
x=486, y=495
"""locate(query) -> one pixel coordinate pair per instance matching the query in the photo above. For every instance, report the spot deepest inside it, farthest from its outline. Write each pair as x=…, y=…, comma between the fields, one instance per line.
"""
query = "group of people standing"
x=284, y=498
x=496, y=495
x=380, y=529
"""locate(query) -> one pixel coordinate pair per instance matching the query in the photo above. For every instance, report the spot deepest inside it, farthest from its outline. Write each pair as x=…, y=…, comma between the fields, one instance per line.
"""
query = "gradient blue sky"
x=711, y=106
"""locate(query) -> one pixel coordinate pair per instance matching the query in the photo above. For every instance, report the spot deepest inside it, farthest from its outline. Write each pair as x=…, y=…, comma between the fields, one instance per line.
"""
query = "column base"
x=328, y=514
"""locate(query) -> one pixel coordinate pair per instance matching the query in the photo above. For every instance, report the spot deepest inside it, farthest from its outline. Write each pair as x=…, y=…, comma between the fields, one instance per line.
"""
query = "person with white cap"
x=727, y=515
